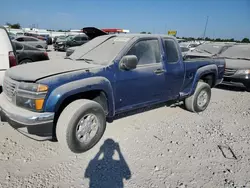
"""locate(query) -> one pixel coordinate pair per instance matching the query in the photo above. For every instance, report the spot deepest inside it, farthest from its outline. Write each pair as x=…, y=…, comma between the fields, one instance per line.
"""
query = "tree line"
x=244, y=40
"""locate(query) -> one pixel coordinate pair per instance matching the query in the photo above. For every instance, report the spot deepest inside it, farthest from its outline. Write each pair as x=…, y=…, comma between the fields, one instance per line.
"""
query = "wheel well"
x=96, y=95
x=209, y=79
x=26, y=59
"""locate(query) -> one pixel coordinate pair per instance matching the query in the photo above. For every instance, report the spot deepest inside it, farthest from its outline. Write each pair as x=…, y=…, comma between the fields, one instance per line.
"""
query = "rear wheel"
x=199, y=101
x=81, y=125
x=25, y=61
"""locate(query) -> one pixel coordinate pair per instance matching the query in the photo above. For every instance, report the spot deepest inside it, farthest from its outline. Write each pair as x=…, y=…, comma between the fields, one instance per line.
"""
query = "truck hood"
x=237, y=64
x=35, y=71
x=93, y=32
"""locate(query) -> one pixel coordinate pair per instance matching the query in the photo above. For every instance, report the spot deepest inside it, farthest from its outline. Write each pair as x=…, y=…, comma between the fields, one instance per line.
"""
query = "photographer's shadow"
x=107, y=172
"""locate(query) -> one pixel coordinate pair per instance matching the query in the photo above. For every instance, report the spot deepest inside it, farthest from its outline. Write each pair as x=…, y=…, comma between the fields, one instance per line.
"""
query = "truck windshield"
x=101, y=50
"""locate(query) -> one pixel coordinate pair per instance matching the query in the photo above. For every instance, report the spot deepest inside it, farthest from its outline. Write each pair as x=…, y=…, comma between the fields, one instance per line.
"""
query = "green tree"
x=14, y=26
x=245, y=40
x=143, y=32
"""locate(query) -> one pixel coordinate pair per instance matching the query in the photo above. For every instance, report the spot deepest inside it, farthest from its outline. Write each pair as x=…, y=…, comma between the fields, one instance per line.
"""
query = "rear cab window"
x=171, y=50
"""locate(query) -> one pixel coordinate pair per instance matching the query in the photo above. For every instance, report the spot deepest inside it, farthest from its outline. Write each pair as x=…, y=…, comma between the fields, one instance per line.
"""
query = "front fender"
x=58, y=95
x=201, y=72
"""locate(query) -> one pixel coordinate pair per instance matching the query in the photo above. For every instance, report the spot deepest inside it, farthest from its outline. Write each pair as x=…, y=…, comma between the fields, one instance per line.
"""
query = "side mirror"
x=128, y=62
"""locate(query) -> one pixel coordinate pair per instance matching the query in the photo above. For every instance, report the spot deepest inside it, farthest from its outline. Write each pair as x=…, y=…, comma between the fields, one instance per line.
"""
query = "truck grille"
x=229, y=72
x=9, y=88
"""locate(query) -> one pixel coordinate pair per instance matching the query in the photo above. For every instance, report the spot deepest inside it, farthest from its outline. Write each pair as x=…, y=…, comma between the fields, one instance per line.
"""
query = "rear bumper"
x=38, y=124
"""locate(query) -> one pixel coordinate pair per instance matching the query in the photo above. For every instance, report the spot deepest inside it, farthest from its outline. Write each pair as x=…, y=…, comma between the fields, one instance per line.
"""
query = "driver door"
x=146, y=83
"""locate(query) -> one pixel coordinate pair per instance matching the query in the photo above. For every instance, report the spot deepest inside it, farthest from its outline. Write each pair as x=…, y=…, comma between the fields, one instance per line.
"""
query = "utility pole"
x=205, y=29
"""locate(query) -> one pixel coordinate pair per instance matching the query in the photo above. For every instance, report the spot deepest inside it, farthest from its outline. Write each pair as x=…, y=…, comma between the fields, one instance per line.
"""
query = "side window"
x=30, y=39
x=147, y=51
x=84, y=38
x=77, y=38
x=18, y=46
x=20, y=39
x=171, y=51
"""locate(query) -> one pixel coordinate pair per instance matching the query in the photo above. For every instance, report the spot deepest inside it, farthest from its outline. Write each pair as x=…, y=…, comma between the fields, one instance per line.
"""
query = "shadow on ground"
x=107, y=172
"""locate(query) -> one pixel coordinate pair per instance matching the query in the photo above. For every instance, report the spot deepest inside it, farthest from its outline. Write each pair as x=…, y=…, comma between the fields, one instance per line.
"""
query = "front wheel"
x=81, y=125
x=199, y=101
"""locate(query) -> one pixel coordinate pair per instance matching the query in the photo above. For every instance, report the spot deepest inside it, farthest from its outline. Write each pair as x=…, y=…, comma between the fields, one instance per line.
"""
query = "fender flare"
x=201, y=72
x=58, y=95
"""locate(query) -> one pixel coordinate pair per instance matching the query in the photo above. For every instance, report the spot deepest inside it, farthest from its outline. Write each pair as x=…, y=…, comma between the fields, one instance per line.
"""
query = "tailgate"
x=5, y=48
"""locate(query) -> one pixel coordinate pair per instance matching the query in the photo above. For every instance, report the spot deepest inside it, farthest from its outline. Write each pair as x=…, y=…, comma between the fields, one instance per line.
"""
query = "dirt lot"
x=165, y=147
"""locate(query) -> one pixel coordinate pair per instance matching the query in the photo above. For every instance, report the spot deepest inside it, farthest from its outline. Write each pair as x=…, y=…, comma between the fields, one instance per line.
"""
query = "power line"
x=205, y=29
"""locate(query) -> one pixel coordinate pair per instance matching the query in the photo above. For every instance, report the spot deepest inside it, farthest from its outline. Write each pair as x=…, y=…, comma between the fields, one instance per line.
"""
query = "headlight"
x=31, y=96
x=60, y=43
x=243, y=72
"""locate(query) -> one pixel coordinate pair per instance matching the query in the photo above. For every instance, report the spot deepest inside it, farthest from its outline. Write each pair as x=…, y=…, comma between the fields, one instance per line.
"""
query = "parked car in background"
x=45, y=37
x=7, y=54
x=237, y=72
x=62, y=37
x=72, y=99
x=71, y=41
x=32, y=41
x=11, y=35
x=27, y=54
x=208, y=50
x=190, y=45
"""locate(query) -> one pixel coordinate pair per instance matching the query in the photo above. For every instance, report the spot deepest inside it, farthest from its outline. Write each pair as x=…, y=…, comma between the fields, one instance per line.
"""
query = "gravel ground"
x=165, y=147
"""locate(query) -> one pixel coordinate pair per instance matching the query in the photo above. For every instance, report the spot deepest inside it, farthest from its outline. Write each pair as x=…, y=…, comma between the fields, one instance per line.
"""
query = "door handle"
x=159, y=71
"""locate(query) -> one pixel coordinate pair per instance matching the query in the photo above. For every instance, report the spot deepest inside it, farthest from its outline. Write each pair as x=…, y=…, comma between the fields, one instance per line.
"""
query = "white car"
x=7, y=54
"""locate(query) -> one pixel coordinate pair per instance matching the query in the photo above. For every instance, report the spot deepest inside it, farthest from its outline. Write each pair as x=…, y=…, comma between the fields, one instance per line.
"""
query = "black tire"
x=191, y=103
x=25, y=61
x=247, y=88
x=67, y=124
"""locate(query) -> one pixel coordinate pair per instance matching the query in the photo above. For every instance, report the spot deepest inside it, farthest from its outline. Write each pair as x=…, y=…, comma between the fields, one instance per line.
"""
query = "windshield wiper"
x=86, y=60
x=240, y=58
x=68, y=58
x=201, y=50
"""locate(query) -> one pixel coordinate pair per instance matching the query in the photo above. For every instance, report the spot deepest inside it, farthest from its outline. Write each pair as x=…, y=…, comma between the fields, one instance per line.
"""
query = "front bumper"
x=237, y=80
x=59, y=47
x=39, y=124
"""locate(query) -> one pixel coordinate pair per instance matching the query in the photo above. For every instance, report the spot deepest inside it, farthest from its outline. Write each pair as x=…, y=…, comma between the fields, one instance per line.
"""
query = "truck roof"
x=143, y=35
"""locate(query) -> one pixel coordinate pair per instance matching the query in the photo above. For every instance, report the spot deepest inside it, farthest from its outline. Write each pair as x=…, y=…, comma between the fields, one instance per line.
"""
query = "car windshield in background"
x=209, y=48
x=69, y=37
x=101, y=50
x=240, y=51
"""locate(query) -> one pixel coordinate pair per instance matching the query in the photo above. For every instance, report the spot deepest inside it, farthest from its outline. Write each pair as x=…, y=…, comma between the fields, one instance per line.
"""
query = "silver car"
x=32, y=41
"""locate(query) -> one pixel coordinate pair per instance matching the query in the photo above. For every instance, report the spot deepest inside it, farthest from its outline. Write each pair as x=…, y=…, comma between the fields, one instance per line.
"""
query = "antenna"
x=205, y=29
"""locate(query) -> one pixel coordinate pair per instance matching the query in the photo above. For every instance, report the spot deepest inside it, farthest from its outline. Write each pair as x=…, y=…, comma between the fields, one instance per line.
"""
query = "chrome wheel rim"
x=202, y=98
x=87, y=128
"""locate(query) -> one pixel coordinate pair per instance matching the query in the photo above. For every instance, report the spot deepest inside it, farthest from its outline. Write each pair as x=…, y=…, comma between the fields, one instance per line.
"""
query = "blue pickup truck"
x=72, y=99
